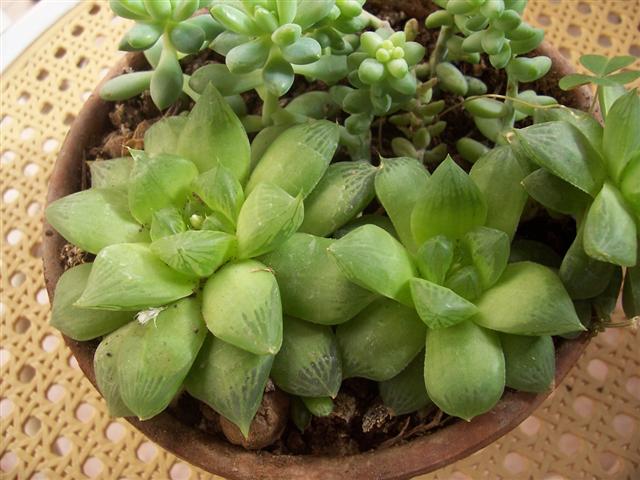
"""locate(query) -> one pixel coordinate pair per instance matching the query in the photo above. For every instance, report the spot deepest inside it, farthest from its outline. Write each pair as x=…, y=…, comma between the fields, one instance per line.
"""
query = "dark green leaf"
x=221, y=192
x=406, y=392
x=434, y=258
x=532, y=251
x=595, y=63
x=556, y=194
x=631, y=292
x=530, y=362
x=488, y=250
x=621, y=139
x=586, y=123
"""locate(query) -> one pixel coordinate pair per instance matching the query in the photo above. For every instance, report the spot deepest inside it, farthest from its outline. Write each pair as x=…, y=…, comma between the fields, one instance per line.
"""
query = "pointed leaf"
x=631, y=292
x=399, y=184
x=380, y=341
x=81, y=324
x=267, y=219
x=605, y=303
x=372, y=258
x=311, y=285
x=263, y=140
x=241, y=305
x=229, y=380
x=452, y=205
x=607, y=96
x=434, y=258
x=309, y=146
x=163, y=136
x=464, y=369
x=465, y=281
x=373, y=219
x=165, y=222
x=621, y=139
x=630, y=185
x=95, y=218
x=488, y=250
x=529, y=299
x=530, y=362
x=308, y=364
x=439, y=307
x=583, y=121
x=344, y=191
x=213, y=135
x=112, y=173
x=406, y=393
x=556, y=194
x=129, y=276
x=221, y=192
x=154, y=358
x=610, y=232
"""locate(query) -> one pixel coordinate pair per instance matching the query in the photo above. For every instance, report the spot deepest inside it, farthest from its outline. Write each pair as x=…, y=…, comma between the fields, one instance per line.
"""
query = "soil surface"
x=360, y=421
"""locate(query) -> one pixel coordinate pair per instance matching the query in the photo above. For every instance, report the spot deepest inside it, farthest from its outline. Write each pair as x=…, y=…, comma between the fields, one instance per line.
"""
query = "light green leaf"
x=530, y=362
x=465, y=281
x=213, y=135
x=583, y=121
x=268, y=217
x=621, y=139
x=373, y=219
x=165, y=222
x=625, y=77
x=154, y=358
x=308, y=364
x=158, y=182
x=399, y=184
x=630, y=185
x=95, y=218
x=241, y=305
x=380, y=341
x=607, y=95
x=221, y=78
x=221, y=192
x=309, y=146
x=595, y=63
x=464, y=369
x=610, y=232
x=114, y=173
x=529, y=299
x=229, y=380
x=195, y=253
x=77, y=323
x=406, y=392
x=249, y=56
x=318, y=406
x=631, y=292
x=129, y=276
x=439, y=307
x=167, y=79
x=617, y=62
x=554, y=193
x=263, y=140
x=277, y=74
x=573, y=80
x=163, y=136
x=372, y=258
x=311, y=285
x=434, y=258
x=344, y=191
x=452, y=205
x=488, y=250
x=313, y=12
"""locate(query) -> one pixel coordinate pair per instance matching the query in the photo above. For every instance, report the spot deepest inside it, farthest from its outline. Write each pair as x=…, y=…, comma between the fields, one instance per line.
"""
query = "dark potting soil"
x=360, y=421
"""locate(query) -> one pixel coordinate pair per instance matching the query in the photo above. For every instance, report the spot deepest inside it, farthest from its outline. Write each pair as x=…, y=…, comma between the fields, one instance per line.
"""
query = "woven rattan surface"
x=55, y=425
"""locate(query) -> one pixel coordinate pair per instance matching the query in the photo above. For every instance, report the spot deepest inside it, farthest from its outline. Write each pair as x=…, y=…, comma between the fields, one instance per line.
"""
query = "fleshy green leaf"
x=380, y=341
x=163, y=136
x=277, y=74
x=313, y=12
x=556, y=194
x=195, y=253
x=452, y=205
x=165, y=222
x=221, y=192
x=529, y=299
x=95, y=218
x=488, y=250
x=310, y=147
x=533, y=251
x=406, y=393
x=378, y=220
x=372, y=258
x=621, y=139
x=563, y=150
x=605, y=303
x=221, y=78
x=308, y=364
x=434, y=258
x=268, y=217
x=311, y=285
x=114, y=173
x=241, y=305
x=213, y=135
x=583, y=121
x=249, y=56
x=465, y=281
x=158, y=182
x=129, y=276
x=630, y=185
x=631, y=292
x=229, y=380
x=464, y=369
x=530, y=362
x=318, y=406
x=81, y=324
x=610, y=232
x=399, y=184
x=439, y=307
x=167, y=79
x=607, y=96
x=344, y=191
x=154, y=358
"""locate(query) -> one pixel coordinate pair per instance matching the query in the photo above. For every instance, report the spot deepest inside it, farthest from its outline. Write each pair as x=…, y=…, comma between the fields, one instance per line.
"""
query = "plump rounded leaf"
x=372, y=258
x=313, y=104
x=318, y=406
x=556, y=194
x=126, y=86
x=95, y=218
x=166, y=222
x=114, y=173
x=309, y=146
x=187, y=37
x=241, y=305
x=154, y=358
x=221, y=78
x=221, y=192
x=452, y=205
x=399, y=184
x=631, y=292
x=305, y=50
x=530, y=362
x=610, y=232
x=213, y=135
x=277, y=74
x=488, y=250
x=329, y=69
x=229, y=380
x=158, y=182
x=525, y=69
x=311, y=285
x=434, y=258
x=129, y=276
x=485, y=107
x=406, y=393
x=167, y=80
x=464, y=369
x=234, y=19
x=471, y=150
x=630, y=185
x=380, y=341
x=529, y=299
x=313, y=12
x=378, y=220
x=451, y=79
x=268, y=217
x=81, y=324
x=439, y=307
x=249, y=56
x=300, y=414
x=621, y=142
x=308, y=364
x=344, y=191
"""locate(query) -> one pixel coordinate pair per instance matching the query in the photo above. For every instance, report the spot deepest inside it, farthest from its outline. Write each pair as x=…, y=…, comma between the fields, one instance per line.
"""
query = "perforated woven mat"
x=54, y=424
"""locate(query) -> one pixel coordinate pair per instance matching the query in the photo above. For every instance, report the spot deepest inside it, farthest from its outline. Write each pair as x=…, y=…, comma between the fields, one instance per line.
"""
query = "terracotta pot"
x=421, y=455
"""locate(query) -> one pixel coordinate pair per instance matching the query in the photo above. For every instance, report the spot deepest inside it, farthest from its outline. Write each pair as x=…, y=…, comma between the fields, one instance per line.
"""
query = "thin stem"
x=374, y=21
x=270, y=105
x=594, y=100
x=437, y=55
x=501, y=97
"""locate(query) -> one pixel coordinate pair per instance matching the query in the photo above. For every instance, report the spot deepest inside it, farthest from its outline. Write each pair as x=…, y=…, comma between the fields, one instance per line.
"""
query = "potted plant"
x=338, y=233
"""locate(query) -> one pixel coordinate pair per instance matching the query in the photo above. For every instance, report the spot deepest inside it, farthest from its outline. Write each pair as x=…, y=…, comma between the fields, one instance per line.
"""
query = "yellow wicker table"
x=54, y=424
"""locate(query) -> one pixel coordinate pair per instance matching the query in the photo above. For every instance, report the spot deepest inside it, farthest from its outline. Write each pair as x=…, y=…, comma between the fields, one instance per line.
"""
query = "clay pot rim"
x=417, y=456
